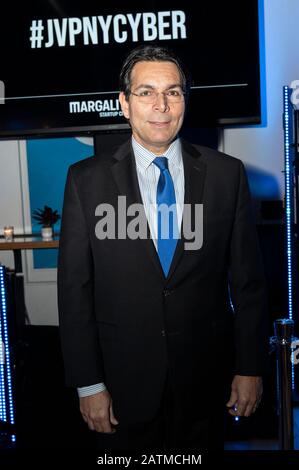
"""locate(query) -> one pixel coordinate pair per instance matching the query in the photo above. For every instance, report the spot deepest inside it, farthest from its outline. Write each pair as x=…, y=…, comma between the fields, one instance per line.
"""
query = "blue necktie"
x=167, y=219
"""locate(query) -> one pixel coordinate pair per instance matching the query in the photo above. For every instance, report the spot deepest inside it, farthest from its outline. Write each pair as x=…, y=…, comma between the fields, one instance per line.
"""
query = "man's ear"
x=124, y=105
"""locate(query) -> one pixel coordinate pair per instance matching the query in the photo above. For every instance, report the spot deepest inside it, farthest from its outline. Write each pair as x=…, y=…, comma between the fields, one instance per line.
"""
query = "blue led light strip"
x=289, y=194
x=3, y=415
x=6, y=378
x=287, y=118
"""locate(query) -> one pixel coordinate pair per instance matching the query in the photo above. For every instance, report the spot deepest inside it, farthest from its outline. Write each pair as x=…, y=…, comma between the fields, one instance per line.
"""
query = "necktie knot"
x=161, y=163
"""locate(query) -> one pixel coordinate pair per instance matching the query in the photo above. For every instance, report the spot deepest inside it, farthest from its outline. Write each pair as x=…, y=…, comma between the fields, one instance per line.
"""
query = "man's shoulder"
x=100, y=162
x=86, y=165
x=212, y=156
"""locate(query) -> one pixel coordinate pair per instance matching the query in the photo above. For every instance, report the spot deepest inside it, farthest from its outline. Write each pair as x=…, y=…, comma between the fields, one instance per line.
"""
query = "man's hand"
x=98, y=413
x=246, y=394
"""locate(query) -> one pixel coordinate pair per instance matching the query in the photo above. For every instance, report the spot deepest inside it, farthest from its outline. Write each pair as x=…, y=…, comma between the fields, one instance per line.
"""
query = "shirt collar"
x=144, y=158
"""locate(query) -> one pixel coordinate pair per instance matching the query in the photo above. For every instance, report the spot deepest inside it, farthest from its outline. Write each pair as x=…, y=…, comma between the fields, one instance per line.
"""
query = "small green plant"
x=46, y=216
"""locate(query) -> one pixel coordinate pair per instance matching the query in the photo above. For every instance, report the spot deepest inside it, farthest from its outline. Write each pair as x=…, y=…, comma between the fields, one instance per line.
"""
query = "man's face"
x=154, y=125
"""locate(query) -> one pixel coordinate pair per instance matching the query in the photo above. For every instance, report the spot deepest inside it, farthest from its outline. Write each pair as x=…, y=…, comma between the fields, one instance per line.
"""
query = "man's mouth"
x=159, y=123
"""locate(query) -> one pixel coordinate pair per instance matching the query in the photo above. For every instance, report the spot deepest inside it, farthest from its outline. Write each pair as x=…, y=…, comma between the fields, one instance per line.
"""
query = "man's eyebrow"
x=151, y=87
x=145, y=85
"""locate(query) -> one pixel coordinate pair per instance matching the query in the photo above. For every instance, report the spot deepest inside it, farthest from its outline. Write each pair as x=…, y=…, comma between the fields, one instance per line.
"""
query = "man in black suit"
x=153, y=330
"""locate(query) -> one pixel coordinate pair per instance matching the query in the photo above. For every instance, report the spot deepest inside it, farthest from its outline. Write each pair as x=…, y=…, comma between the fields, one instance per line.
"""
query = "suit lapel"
x=125, y=176
x=194, y=173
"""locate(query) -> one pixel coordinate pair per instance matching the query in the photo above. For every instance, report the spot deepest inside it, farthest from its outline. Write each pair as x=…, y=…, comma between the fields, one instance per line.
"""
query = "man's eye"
x=173, y=93
x=145, y=93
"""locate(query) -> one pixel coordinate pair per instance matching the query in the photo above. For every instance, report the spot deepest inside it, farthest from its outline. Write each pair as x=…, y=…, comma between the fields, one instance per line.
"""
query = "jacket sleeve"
x=78, y=330
x=247, y=287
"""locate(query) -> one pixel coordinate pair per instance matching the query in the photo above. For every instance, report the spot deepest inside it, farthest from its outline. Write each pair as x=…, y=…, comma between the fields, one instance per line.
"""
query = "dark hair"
x=150, y=54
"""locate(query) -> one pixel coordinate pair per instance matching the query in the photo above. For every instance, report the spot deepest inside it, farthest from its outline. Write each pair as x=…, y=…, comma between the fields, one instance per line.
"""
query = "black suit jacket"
x=124, y=323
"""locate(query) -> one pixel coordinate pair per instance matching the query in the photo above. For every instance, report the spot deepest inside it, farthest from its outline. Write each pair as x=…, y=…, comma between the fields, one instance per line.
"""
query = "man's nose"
x=161, y=102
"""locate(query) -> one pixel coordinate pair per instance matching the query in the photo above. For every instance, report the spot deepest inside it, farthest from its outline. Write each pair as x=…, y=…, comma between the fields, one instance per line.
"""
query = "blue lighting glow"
x=6, y=391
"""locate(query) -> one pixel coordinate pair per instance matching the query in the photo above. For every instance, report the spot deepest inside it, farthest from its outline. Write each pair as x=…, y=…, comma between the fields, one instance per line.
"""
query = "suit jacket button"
x=166, y=292
x=163, y=333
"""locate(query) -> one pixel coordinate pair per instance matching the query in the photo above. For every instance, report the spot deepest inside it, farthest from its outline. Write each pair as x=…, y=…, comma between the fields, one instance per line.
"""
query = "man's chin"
x=161, y=138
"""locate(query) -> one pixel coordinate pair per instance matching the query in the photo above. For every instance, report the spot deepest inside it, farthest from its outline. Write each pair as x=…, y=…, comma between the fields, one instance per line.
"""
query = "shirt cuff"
x=91, y=390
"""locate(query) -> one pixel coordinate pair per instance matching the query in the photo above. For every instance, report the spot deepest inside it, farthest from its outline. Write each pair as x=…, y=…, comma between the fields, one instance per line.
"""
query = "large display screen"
x=60, y=61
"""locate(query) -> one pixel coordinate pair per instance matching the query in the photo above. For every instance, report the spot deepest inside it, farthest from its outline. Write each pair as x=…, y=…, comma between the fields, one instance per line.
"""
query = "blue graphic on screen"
x=48, y=161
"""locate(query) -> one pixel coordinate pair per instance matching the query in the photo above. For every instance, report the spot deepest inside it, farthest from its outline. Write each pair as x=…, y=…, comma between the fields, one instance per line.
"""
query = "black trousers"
x=172, y=429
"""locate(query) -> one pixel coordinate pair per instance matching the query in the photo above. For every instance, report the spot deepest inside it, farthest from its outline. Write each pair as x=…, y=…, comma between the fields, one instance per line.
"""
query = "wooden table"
x=25, y=242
